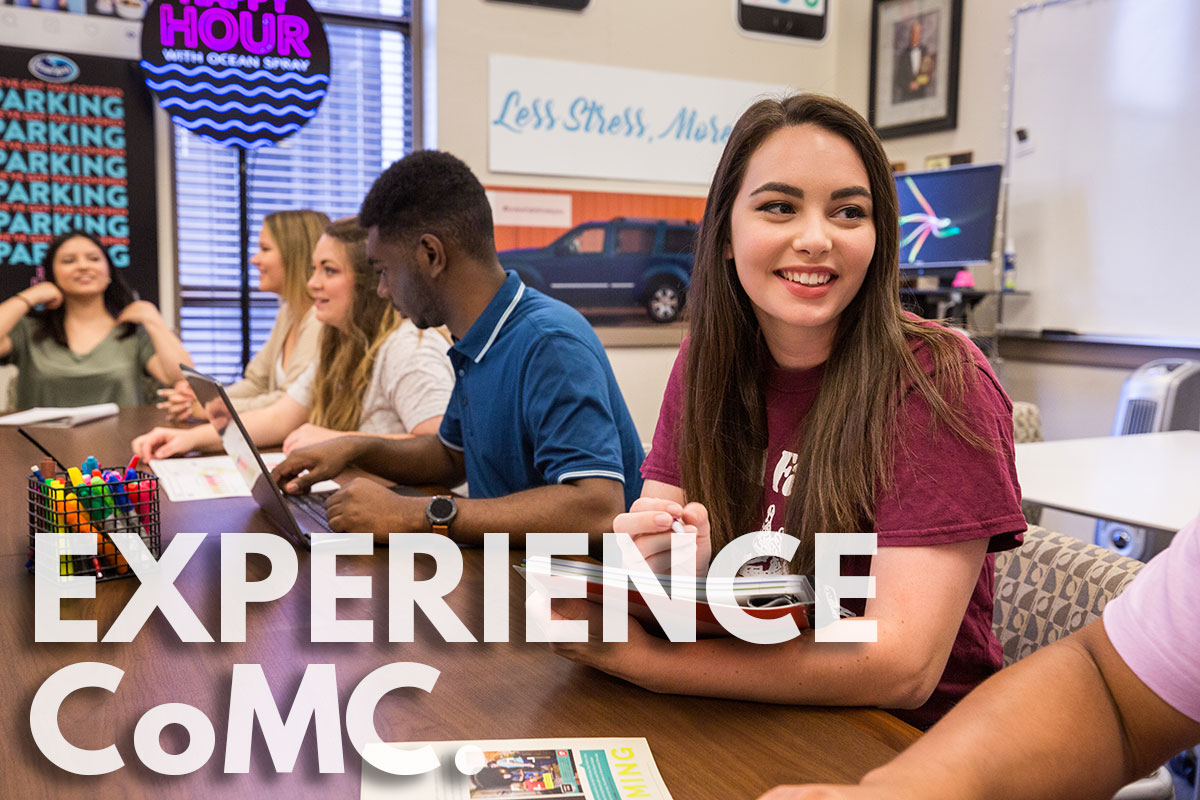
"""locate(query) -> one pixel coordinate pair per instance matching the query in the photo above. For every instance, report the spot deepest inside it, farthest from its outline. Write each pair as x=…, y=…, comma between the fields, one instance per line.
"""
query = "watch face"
x=441, y=509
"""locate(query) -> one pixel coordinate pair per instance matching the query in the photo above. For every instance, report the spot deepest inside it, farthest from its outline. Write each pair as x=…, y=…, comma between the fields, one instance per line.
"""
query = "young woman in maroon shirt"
x=805, y=399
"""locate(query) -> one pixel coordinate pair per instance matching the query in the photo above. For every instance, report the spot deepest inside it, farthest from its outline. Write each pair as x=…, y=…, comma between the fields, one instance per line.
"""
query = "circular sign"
x=236, y=72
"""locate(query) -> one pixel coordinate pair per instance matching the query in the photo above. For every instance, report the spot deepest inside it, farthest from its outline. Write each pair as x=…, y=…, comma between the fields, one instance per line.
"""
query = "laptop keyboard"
x=313, y=505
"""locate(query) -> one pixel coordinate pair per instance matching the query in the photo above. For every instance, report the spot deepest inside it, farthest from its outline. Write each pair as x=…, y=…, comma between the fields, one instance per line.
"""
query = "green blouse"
x=114, y=371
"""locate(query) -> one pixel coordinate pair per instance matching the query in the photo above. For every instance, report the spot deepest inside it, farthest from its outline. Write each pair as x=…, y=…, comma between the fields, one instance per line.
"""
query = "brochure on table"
x=212, y=477
x=590, y=768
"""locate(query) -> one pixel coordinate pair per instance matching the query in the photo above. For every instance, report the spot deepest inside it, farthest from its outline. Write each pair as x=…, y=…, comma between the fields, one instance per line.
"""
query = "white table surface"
x=1150, y=480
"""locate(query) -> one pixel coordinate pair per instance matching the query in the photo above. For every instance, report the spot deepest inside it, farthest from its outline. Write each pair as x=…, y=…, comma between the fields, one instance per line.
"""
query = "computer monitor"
x=947, y=216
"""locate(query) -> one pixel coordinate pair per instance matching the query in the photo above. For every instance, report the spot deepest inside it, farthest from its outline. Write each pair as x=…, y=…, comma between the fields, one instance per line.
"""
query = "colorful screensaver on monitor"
x=948, y=216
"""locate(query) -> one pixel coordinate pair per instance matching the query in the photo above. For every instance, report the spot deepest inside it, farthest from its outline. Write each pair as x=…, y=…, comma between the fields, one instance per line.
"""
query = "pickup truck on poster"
x=616, y=263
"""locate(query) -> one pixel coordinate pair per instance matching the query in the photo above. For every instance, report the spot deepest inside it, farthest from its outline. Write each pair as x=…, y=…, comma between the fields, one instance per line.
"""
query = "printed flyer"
x=591, y=768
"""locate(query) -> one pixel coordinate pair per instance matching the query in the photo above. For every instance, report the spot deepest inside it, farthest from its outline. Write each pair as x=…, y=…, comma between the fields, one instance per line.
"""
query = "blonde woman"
x=375, y=371
x=284, y=262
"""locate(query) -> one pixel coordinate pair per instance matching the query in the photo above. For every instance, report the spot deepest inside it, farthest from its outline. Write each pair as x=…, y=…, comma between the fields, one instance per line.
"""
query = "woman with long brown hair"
x=375, y=371
x=806, y=400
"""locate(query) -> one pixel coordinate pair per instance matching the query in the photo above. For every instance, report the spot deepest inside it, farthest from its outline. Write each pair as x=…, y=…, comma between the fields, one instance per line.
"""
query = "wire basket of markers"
x=107, y=503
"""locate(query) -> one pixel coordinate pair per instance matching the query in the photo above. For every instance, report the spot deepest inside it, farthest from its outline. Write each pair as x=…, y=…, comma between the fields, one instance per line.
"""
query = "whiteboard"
x=1103, y=198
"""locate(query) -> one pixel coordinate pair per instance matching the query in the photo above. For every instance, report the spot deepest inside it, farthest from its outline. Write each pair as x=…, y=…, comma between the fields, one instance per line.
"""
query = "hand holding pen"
x=650, y=522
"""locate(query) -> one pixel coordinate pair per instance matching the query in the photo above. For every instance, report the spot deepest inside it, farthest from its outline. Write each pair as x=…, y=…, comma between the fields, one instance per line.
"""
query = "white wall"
x=701, y=38
x=683, y=36
x=692, y=37
x=642, y=375
x=982, y=82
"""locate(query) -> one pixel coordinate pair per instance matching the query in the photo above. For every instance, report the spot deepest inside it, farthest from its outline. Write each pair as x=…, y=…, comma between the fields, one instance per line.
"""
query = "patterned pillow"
x=1051, y=586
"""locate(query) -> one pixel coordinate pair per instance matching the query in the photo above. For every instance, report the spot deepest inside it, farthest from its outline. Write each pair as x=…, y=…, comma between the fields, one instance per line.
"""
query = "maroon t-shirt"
x=944, y=490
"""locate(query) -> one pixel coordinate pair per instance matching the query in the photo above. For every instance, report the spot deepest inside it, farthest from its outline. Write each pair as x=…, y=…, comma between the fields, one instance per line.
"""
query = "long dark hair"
x=846, y=453
x=116, y=296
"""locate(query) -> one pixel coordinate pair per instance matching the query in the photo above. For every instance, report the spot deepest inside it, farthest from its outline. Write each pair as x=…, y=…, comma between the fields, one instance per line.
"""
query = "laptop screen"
x=246, y=458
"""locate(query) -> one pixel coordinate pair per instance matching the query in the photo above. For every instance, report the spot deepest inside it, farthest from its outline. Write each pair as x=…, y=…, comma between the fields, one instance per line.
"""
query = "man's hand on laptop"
x=308, y=465
x=363, y=505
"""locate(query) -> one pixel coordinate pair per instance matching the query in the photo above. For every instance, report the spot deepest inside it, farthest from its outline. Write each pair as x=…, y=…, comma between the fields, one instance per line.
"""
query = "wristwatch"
x=441, y=511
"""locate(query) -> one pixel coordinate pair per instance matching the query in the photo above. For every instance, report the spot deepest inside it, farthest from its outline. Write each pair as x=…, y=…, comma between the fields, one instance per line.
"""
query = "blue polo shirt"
x=535, y=401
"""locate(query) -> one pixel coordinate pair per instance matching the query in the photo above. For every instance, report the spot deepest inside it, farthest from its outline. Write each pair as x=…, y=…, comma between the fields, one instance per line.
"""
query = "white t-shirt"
x=1155, y=623
x=410, y=383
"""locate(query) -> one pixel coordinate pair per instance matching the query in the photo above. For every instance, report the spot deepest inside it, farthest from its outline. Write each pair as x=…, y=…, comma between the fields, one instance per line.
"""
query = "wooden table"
x=704, y=748
x=1148, y=480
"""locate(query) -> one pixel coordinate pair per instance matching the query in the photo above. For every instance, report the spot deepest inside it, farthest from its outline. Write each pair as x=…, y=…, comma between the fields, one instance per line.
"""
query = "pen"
x=79, y=520
x=123, y=518
x=37, y=473
x=75, y=476
x=143, y=498
x=67, y=566
x=38, y=445
x=102, y=498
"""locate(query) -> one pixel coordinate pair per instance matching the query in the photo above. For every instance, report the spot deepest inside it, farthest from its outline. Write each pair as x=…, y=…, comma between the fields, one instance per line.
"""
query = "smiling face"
x=332, y=283
x=802, y=236
x=269, y=261
x=81, y=268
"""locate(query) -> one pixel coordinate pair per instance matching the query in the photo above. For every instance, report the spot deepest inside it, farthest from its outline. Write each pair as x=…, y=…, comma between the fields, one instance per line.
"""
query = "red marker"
x=143, y=499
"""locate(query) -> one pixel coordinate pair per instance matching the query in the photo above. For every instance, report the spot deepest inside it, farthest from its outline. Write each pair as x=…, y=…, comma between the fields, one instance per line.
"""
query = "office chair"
x=1027, y=427
x=1052, y=586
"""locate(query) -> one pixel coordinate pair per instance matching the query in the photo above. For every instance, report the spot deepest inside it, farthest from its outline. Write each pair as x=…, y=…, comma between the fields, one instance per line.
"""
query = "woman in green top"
x=81, y=337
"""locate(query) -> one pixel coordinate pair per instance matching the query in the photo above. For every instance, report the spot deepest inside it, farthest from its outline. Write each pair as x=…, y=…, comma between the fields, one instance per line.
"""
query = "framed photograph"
x=914, y=66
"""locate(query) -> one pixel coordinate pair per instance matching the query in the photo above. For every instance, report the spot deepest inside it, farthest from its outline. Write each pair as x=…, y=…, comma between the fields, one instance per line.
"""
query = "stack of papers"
x=60, y=417
x=761, y=596
x=748, y=590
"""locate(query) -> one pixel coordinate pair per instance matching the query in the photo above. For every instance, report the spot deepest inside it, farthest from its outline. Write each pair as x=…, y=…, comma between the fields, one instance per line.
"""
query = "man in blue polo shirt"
x=536, y=424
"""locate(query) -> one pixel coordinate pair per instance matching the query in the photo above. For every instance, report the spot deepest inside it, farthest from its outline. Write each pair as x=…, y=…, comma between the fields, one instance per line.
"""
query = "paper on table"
x=211, y=477
x=52, y=417
x=583, y=768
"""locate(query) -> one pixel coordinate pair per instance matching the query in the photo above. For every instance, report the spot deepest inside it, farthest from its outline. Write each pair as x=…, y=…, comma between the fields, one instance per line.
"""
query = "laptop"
x=294, y=515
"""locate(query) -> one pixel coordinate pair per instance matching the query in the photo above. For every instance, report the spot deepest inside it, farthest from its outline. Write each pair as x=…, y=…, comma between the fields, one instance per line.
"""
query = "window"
x=589, y=240
x=635, y=240
x=679, y=240
x=364, y=124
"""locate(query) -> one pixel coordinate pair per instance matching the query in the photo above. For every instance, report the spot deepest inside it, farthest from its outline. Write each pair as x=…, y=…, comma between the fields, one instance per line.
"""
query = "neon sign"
x=236, y=72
